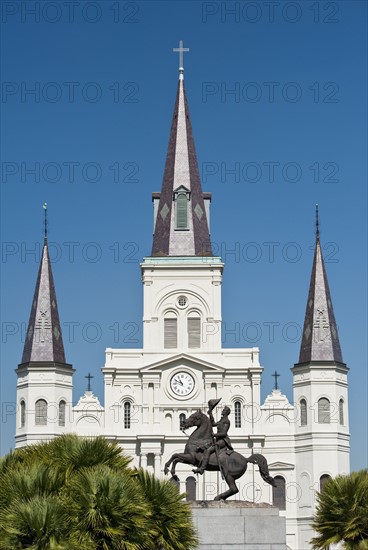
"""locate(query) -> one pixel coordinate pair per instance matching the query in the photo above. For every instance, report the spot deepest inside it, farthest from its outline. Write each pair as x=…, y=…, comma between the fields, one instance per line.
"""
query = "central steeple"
x=181, y=210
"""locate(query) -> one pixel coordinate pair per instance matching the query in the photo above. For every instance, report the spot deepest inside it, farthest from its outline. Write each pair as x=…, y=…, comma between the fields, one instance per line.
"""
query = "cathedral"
x=182, y=365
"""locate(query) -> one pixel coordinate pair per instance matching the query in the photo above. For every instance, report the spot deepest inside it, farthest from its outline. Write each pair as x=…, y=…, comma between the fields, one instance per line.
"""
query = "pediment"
x=181, y=188
x=185, y=360
x=281, y=466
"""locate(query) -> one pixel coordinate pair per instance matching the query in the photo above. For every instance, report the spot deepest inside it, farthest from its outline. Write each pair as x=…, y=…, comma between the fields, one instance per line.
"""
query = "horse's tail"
x=263, y=468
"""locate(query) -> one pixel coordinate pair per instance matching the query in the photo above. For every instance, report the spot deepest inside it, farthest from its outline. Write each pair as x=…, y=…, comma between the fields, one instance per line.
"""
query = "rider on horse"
x=220, y=441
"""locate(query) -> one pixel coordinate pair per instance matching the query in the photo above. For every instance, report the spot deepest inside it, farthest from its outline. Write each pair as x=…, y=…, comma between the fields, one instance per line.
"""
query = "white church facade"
x=183, y=365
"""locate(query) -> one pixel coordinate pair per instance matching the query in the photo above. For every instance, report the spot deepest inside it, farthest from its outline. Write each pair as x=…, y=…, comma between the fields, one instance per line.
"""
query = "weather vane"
x=181, y=50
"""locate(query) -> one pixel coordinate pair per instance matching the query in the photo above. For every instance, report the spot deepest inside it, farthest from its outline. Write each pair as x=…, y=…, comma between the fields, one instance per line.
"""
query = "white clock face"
x=182, y=383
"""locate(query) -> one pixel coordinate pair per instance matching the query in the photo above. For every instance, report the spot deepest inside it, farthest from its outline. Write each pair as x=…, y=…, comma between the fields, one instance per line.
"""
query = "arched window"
x=341, y=411
x=194, y=330
x=237, y=414
x=170, y=331
x=127, y=415
x=62, y=406
x=322, y=481
x=181, y=211
x=303, y=412
x=41, y=412
x=190, y=488
x=182, y=418
x=279, y=494
x=323, y=411
x=22, y=414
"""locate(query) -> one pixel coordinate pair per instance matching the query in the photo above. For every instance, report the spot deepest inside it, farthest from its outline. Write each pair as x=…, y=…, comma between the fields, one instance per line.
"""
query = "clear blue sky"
x=96, y=131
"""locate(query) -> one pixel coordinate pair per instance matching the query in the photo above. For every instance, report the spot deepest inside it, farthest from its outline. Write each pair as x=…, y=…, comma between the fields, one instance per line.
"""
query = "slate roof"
x=320, y=340
x=44, y=341
x=181, y=171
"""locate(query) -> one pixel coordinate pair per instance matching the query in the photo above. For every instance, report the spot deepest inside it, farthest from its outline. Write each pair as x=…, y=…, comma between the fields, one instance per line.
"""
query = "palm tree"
x=171, y=515
x=111, y=508
x=39, y=523
x=342, y=512
x=79, y=493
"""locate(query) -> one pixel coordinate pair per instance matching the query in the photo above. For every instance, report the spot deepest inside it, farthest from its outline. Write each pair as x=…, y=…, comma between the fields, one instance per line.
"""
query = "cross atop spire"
x=181, y=50
x=44, y=206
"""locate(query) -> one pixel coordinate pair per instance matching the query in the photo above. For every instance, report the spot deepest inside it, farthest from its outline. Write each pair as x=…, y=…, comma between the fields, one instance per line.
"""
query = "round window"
x=182, y=301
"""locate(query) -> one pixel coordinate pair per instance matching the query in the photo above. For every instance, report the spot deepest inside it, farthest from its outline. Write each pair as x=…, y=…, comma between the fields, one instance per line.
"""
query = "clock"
x=182, y=383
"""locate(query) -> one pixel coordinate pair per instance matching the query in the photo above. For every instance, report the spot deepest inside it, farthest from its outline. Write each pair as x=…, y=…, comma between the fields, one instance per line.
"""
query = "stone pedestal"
x=238, y=525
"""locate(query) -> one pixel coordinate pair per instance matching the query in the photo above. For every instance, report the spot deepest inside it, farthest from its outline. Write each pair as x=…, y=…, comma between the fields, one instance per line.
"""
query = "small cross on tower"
x=181, y=50
x=89, y=377
x=276, y=376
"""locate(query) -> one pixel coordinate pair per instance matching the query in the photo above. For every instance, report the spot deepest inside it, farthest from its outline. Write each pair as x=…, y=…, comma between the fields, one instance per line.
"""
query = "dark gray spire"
x=181, y=224
x=44, y=342
x=320, y=340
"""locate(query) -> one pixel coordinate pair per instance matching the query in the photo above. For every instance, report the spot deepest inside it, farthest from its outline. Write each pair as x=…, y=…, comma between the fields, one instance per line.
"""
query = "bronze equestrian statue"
x=214, y=453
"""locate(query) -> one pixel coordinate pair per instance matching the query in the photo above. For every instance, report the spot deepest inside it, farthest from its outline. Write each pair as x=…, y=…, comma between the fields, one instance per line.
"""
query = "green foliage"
x=170, y=513
x=342, y=512
x=76, y=493
x=111, y=507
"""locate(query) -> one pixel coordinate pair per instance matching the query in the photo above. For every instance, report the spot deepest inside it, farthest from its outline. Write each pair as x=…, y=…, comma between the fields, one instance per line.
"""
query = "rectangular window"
x=181, y=211
x=170, y=333
x=194, y=332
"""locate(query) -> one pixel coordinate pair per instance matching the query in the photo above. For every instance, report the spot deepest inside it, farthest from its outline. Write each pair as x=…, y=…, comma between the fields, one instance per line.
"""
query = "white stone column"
x=157, y=464
x=144, y=461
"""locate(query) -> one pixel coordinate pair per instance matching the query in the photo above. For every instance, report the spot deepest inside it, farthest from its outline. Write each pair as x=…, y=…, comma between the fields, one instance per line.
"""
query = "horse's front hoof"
x=218, y=498
x=166, y=470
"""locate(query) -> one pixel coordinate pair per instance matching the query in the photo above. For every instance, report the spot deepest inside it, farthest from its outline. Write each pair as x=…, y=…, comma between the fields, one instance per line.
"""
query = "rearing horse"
x=233, y=465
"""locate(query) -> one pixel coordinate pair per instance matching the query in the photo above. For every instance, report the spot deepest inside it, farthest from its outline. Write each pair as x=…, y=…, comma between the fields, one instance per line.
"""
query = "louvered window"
x=22, y=414
x=41, y=413
x=341, y=411
x=237, y=411
x=303, y=412
x=170, y=332
x=194, y=332
x=323, y=411
x=181, y=211
x=62, y=406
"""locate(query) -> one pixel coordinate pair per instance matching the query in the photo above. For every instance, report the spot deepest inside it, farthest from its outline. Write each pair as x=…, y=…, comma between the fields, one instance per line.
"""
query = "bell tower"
x=182, y=279
x=320, y=390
